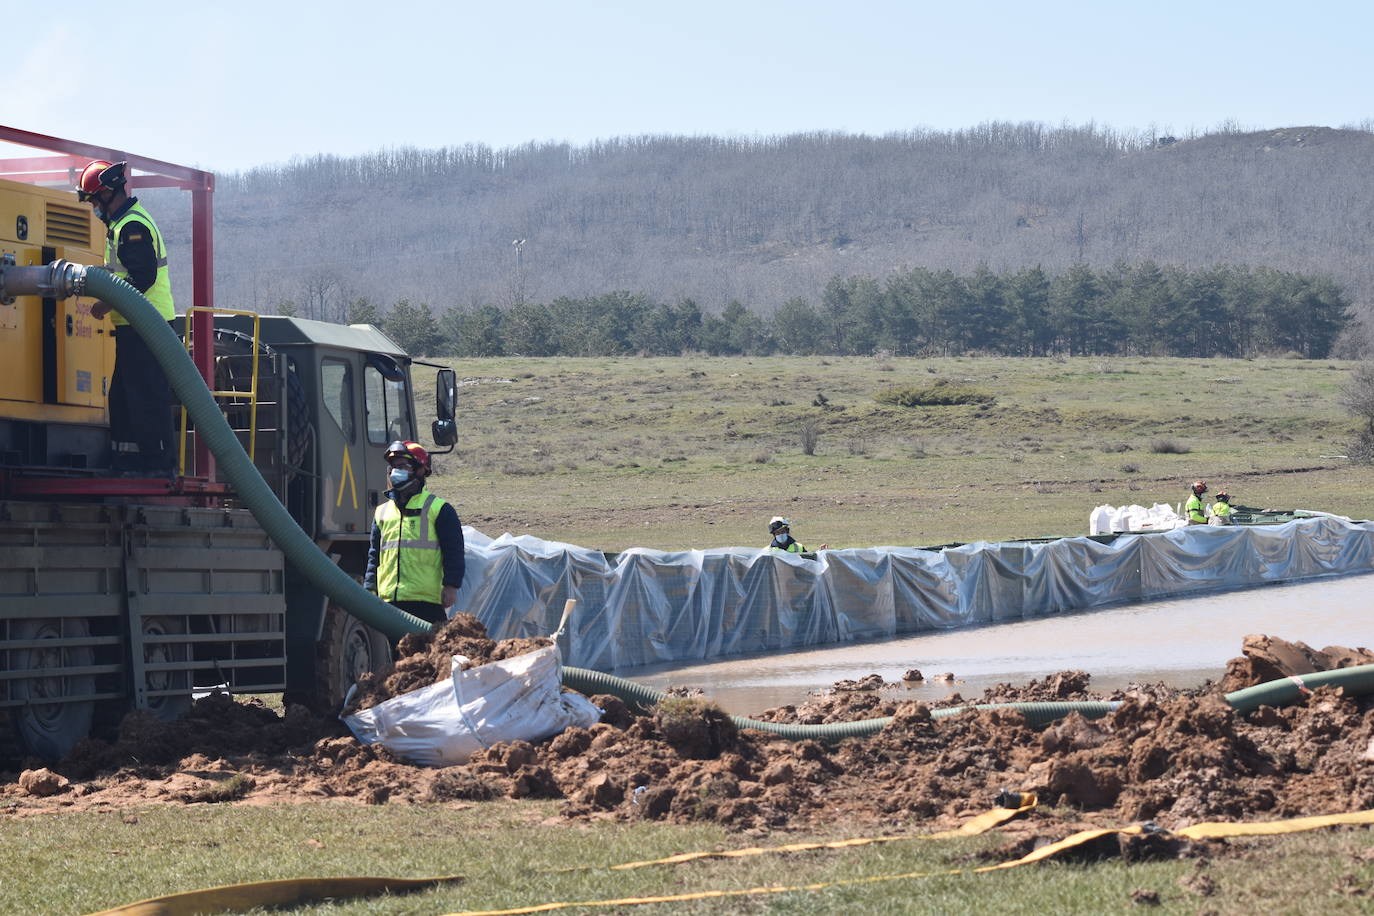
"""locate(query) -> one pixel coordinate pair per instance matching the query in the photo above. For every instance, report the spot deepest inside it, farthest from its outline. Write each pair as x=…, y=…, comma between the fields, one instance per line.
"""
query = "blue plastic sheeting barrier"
x=656, y=606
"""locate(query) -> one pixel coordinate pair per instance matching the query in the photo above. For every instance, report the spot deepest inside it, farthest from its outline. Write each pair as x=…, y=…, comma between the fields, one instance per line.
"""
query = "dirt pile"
x=1170, y=756
x=424, y=658
x=1265, y=658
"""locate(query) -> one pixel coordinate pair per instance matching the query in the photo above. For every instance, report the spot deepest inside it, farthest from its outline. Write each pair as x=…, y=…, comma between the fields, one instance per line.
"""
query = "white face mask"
x=399, y=477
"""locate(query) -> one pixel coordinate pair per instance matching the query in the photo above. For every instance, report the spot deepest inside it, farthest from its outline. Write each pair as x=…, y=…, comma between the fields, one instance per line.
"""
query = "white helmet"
x=777, y=522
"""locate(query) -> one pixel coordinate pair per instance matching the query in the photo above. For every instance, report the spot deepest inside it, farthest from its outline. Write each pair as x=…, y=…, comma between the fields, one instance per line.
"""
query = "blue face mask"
x=399, y=477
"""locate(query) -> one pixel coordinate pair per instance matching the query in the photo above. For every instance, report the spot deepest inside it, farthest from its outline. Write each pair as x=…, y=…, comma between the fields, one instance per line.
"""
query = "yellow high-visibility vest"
x=160, y=293
x=410, y=562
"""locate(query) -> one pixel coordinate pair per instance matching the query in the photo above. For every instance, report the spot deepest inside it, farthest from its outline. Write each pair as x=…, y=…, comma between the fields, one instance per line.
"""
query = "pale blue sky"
x=232, y=85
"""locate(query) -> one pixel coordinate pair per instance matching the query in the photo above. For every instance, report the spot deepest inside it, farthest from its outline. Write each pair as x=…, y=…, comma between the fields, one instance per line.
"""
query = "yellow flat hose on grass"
x=238, y=897
x=1197, y=831
x=975, y=826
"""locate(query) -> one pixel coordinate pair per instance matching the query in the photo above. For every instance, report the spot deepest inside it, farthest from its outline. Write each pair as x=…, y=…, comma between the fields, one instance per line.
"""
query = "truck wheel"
x=50, y=730
x=348, y=649
x=166, y=708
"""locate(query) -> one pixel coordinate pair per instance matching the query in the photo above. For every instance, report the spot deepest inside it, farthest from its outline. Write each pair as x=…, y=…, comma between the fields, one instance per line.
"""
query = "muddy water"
x=1180, y=642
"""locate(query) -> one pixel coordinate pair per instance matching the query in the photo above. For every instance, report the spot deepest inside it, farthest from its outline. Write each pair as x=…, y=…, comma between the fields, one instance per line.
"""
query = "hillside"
x=763, y=220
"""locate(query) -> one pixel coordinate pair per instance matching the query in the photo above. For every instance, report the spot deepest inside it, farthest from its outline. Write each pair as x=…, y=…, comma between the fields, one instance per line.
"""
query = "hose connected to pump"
x=61, y=279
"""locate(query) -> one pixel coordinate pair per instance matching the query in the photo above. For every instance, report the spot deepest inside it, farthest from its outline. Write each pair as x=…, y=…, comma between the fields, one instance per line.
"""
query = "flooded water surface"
x=1181, y=642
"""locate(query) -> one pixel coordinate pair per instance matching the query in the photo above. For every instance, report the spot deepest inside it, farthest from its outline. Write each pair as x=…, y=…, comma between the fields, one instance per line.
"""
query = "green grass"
x=701, y=452
x=77, y=863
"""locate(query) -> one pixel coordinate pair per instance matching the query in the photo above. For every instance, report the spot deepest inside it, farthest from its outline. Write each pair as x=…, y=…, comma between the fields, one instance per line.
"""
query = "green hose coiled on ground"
x=248, y=484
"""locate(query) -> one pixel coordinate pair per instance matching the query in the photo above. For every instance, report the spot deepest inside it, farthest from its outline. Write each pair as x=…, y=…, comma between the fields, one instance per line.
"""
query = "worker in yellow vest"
x=415, y=561
x=1195, y=510
x=781, y=530
x=1220, y=511
x=141, y=430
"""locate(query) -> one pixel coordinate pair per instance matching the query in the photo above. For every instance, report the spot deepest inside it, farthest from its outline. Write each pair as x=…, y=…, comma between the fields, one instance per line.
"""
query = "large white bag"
x=516, y=699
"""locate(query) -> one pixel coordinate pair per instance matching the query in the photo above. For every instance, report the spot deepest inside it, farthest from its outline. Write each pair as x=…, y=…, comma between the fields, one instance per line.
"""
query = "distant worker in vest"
x=1195, y=510
x=1220, y=511
x=781, y=530
x=415, y=562
x=141, y=430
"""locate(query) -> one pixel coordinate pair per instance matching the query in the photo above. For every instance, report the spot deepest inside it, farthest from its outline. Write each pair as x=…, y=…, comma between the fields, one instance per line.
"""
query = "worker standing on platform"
x=1195, y=510
x=415, y=561
x=141, y=430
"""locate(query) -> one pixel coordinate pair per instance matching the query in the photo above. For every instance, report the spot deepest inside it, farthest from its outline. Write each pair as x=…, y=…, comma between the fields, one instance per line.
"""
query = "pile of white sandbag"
x=1130, y=519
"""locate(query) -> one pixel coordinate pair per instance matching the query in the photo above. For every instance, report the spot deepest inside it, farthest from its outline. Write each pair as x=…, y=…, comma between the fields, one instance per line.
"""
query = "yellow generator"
x=55, y=359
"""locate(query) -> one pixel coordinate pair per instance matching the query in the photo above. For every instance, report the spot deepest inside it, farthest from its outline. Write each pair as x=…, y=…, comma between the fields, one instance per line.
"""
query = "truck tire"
x=50, y=730
x=167, y=709
x=348, y=649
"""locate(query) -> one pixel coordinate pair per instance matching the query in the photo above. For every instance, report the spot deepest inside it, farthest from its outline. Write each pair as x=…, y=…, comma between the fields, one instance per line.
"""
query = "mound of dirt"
x=425, y=658
x=1267, y=658
x=1173, y=757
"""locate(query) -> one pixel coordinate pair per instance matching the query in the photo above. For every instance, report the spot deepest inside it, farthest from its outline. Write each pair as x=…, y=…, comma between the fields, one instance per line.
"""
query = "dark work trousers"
x=141, y=404
x=426, y=610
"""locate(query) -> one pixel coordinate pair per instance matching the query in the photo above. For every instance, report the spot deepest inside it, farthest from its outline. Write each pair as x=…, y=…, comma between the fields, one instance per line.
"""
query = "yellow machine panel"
x=55, y=359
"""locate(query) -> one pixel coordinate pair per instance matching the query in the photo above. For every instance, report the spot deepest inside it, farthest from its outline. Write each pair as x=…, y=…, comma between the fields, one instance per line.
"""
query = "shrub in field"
x=939, y=393
x=1168, y=447
x=810, y=434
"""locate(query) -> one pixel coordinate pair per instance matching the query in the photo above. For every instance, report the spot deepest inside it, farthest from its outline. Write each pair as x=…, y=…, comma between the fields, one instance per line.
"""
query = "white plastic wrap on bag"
x=516, y=699
x=1134, y=519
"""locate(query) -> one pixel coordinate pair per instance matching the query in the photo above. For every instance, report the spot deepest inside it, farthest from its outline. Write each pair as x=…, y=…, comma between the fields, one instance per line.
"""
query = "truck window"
x=336, y=383
x=388, y=415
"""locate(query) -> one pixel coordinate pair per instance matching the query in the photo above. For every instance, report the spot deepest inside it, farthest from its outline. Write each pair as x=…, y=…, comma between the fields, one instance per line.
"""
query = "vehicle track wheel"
x=51, y=729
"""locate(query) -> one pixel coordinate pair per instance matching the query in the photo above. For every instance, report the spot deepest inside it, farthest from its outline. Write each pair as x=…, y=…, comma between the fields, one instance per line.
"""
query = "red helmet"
x=100, y=175
x=413, y=450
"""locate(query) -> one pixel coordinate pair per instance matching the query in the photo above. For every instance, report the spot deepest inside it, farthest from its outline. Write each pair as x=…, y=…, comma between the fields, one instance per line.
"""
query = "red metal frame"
x=157, y=174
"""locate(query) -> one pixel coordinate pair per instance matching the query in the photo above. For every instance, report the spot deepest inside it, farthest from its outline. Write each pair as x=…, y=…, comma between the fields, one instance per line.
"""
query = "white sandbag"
x=1108, y=519
x=516, y=699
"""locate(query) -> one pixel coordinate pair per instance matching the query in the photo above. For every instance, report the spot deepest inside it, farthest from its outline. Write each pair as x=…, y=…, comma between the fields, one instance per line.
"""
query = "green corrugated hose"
x=61, y=279
x=642, y=698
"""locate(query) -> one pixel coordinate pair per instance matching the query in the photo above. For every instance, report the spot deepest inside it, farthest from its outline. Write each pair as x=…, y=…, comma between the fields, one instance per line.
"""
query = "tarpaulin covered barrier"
x=653, y=606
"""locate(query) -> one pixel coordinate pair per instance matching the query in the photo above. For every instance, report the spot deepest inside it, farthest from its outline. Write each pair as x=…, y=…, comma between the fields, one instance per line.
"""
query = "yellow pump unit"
x=55, y=358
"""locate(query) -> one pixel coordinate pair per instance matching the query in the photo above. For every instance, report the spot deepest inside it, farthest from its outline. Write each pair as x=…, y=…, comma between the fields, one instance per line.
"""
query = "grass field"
x=694, y=453
x=79, y=863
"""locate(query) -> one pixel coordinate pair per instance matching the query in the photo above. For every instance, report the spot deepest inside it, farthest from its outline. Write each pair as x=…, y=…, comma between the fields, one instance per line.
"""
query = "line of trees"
x=1141, y=309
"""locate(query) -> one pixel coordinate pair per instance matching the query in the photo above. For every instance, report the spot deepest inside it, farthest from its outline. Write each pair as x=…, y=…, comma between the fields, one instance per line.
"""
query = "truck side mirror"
x=446, y=395
x=444, y=431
